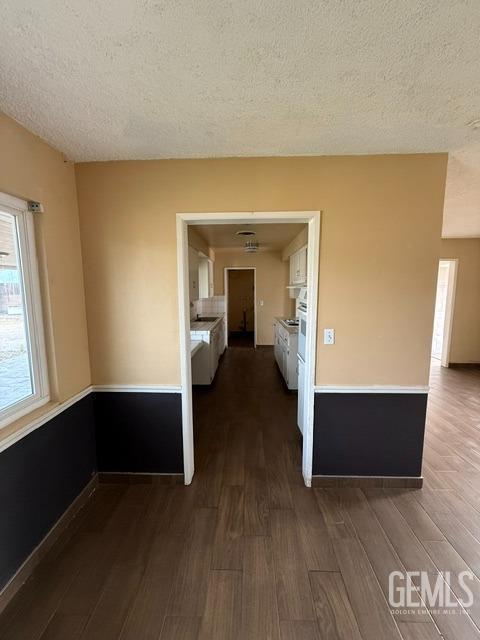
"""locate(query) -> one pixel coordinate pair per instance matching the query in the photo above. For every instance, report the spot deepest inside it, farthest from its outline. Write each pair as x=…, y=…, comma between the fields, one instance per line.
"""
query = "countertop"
x=201, y=327
x=195, y=345
x=290, y=329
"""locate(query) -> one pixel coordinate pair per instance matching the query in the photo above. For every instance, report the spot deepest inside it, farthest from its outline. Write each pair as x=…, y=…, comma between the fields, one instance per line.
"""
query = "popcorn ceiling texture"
x=135, y=79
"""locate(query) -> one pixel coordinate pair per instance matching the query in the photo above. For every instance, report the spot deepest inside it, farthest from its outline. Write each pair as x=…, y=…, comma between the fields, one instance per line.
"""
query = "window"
x=23, y=370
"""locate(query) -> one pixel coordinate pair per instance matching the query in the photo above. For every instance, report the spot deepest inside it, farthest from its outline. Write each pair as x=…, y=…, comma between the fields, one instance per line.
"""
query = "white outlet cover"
x=329, y=336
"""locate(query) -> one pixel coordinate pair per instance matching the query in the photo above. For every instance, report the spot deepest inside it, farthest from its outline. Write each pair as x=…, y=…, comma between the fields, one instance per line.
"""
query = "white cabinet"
x=301, y=393
x=205, y=278
x=211, y=288
x=193, y=264
x=285, y=349
x=205, y=363
x=298, y=267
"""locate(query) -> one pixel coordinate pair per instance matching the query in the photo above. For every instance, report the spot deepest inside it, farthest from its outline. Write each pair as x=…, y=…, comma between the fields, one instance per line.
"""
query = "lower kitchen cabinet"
x=285, y=350
x=205, y=360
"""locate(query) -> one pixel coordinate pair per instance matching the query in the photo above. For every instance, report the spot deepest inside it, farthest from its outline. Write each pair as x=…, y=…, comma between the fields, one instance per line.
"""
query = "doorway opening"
x=443, y=318
x=205, y=312
x=240, y=306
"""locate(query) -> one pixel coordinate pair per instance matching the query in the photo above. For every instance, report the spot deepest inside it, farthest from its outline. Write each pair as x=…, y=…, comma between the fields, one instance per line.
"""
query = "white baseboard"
x=330, y=388
x=133, y=388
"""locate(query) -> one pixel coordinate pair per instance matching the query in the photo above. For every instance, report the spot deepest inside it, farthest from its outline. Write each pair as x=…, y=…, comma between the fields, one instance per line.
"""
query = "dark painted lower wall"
x=139, y=432
x=40, y=476
x=369, y=434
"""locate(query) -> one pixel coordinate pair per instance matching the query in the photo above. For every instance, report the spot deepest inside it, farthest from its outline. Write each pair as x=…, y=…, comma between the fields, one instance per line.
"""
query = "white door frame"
x=225, y=290
x=449, y=309
x=312, y=218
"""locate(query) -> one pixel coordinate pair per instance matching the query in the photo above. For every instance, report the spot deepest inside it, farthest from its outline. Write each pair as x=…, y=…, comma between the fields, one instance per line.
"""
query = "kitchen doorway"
x=240, y=307
x=312, y=221
x=444, y=304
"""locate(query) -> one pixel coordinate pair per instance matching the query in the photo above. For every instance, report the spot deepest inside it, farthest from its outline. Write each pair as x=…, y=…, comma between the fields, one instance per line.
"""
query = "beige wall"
x=465, y=344
x=297, y=243
x=379, y=250
x=32, y=170
x=271, y=280
x=197, y=242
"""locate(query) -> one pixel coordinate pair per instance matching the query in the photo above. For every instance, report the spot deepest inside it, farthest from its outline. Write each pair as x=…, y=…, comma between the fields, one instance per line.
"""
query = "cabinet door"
x=278, y=352
x=292, y=270
x=193, y=273
x=211, y=288
x=302, y=265
x=298, y=266
x=301, y=394
x=285, y=362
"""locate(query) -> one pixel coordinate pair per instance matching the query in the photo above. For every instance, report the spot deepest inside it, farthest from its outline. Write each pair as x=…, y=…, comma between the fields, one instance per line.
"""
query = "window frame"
x=32, y=300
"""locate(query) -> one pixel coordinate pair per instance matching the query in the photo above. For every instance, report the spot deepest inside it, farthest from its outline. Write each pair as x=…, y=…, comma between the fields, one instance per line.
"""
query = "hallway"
x=247, y=552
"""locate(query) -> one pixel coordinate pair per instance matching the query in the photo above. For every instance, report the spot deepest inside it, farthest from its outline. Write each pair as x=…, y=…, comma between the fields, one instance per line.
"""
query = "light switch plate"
x=329, y=336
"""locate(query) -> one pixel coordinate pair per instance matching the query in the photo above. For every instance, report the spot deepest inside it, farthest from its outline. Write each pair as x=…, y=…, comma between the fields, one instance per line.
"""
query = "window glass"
x=16, y=380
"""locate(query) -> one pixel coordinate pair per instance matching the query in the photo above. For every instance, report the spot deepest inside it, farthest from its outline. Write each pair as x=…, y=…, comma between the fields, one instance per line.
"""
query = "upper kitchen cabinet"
x=205, y=277
x=193, y=272
x=298, y=267
x=200, y=271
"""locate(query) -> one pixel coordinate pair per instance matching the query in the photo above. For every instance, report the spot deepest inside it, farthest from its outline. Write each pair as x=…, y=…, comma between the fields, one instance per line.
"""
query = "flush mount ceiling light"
x=245, y=232
x=251, y=247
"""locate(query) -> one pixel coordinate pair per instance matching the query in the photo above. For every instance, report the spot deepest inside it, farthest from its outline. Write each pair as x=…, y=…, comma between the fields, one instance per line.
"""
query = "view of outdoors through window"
x=15, y=373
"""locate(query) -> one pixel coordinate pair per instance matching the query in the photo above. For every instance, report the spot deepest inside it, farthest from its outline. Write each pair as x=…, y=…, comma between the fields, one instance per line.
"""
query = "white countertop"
x=200, y=327
x=195, y=345
x=286, y=326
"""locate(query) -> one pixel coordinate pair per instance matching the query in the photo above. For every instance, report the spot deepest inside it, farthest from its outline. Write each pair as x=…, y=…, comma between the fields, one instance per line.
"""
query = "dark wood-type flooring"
x=247, y=551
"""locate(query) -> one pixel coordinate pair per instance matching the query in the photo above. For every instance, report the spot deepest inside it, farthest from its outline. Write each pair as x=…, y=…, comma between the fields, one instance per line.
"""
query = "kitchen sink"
x=207, y=319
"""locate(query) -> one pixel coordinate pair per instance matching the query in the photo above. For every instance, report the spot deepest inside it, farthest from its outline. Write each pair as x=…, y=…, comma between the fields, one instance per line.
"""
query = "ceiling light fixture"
x=245, y=232
x=251, y=247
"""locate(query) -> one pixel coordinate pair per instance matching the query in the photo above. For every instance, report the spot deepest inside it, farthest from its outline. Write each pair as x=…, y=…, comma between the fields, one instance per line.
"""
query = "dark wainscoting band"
x=138, y=432
x=464, y=365
x=369, y=434
x=40, y=477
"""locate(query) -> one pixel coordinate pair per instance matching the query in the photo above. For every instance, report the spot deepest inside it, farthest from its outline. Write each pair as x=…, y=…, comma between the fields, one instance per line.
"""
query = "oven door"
x=302, y=333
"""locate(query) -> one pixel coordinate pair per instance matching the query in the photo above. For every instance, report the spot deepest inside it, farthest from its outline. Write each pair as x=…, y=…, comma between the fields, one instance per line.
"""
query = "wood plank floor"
x=247, y=551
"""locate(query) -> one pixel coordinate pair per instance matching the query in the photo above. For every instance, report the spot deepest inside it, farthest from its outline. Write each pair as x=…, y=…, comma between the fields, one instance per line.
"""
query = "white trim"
x=133, y=388
x=248, y=217
x=34, y=424
x=225, y=290
x=312, y=218
x=328, y=388
x=449, y=309
x=313, y=263
x=185, y=351
x=32, y=306
x=13, y=202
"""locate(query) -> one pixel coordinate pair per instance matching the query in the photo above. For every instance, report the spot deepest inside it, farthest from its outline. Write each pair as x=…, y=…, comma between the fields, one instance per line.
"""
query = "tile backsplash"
x=208, y=306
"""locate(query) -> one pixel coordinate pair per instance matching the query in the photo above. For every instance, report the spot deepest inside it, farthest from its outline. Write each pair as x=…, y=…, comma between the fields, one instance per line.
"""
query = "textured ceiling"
x=130, y=79
x=461, y=214
x=273, y=237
